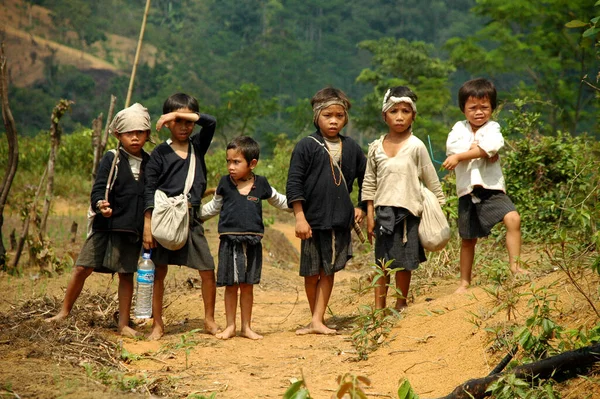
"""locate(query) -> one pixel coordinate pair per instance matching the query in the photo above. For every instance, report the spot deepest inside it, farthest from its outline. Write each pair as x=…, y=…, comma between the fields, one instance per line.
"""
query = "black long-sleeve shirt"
x=126, y=197
x=310, y=180
x=167, y=171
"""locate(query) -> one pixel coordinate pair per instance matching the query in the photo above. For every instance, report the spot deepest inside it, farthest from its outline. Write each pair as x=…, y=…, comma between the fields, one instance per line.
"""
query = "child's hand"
x=370, y=228
x=148, y=239
x=359, y=215
x=104, y=208
x=495, y=158
x=164, y=119
x=303, y=230
x=451, y=162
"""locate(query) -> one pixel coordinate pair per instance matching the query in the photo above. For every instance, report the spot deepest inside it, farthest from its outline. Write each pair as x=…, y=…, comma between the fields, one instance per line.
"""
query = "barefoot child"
x=115, y=242
x=472, y=148
x=319, y=195
x=167, y=170
x=397, y=165
x=238, y=201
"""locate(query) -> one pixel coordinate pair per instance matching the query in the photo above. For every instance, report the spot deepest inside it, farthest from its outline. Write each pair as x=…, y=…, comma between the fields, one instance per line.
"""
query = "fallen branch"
x=557, y=367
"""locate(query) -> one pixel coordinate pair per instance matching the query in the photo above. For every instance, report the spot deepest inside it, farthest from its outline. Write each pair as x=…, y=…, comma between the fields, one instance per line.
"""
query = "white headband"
x=389, y=102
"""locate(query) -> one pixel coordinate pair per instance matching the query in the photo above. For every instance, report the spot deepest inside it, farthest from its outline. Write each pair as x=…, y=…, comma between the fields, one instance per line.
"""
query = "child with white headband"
x=322, y=170
x=397, y=163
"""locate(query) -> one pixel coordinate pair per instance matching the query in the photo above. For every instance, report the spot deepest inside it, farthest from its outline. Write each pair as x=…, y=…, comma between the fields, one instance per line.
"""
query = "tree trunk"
x=96, y=143
x=25, y=225
x=55, y=133
x=556, y=367
x=13, y=148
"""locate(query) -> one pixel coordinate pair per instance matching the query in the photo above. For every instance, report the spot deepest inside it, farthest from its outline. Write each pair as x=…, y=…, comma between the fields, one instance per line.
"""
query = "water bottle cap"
x=146, y=255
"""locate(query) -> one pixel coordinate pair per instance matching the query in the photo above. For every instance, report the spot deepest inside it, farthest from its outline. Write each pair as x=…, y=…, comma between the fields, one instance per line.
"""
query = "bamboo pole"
x=137, y=54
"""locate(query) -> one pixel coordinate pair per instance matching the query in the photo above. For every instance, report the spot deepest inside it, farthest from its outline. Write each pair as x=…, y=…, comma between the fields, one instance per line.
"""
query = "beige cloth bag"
x=434, y=231
x=170, y=217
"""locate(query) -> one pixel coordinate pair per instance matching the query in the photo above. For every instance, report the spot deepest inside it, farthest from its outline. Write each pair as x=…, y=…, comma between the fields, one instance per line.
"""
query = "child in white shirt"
x=472, y=148
x=397, y=165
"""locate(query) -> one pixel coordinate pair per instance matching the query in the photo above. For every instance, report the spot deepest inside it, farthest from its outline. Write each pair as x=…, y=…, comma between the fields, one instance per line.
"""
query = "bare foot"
x=518, y=271
x=248, y=333
x=228, y=332
x=157, y=333
x=128, y=332
x=59, y=317
x=316, y=329
x=211, y=327
x=462, y=289
x=400, y=307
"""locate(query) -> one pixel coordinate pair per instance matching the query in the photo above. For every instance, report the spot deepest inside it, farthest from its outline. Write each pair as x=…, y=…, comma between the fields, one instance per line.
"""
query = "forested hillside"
x=254, y=63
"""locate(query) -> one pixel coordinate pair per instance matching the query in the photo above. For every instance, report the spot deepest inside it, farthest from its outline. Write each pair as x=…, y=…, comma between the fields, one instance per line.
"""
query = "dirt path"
x=435, y=344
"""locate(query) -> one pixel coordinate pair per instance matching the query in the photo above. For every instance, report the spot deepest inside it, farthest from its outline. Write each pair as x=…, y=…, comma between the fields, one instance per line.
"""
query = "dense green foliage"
x=253, y=63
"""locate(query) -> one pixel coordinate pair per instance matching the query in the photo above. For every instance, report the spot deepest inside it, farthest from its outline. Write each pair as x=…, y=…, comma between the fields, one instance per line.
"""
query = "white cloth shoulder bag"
x=434, y=231
x=170, y=217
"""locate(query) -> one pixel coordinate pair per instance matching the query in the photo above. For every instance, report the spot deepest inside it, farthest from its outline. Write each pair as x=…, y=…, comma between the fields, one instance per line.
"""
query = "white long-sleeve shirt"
x=396, y=181
x=480, y=171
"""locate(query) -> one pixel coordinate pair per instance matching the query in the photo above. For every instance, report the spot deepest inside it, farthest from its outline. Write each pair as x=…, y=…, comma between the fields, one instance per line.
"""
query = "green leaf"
x=596, y=265
x=590, y=32
x=576, y=24
x=405, y=391
x=293, y=391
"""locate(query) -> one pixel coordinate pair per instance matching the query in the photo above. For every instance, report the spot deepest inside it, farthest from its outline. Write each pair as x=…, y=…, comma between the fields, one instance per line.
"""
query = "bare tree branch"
x=13, y=147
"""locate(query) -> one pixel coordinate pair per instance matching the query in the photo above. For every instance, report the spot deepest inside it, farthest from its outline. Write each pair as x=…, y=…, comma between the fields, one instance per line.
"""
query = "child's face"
x=237, y=166
x=133, y=141
x=181, y=129
x=331, y=120
x=399, y=118
x=478, y=111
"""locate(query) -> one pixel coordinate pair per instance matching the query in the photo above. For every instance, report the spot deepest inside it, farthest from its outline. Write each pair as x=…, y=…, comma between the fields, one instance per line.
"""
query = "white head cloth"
x=130, y=119
x=390, y=101
x=318, y=107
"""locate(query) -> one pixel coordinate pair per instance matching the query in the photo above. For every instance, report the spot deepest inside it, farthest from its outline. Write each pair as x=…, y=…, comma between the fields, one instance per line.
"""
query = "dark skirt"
x=326, y=249
x=480, y=212
x=194, y=254
x=402, y=246
x=240, y=260
x=111, y=252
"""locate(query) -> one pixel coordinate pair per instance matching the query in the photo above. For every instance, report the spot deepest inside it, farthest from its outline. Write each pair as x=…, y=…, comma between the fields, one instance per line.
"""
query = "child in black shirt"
x=319, y=195
x=167, y=171
x=238, y=201
x=114, y=243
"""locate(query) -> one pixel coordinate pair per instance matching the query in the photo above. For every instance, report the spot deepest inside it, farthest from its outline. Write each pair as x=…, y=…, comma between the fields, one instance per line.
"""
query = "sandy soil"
x=434, y=344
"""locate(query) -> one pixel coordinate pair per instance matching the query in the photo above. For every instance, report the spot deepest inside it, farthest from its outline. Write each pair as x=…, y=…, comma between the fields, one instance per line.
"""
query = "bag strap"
x=189, y=180
x=114, y=169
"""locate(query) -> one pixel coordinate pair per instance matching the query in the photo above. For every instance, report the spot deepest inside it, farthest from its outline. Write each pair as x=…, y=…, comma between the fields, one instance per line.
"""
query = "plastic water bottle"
x=145, y=284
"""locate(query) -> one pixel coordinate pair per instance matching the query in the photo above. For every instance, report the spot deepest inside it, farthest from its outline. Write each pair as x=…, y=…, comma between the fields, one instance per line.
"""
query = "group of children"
x=323, y=169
